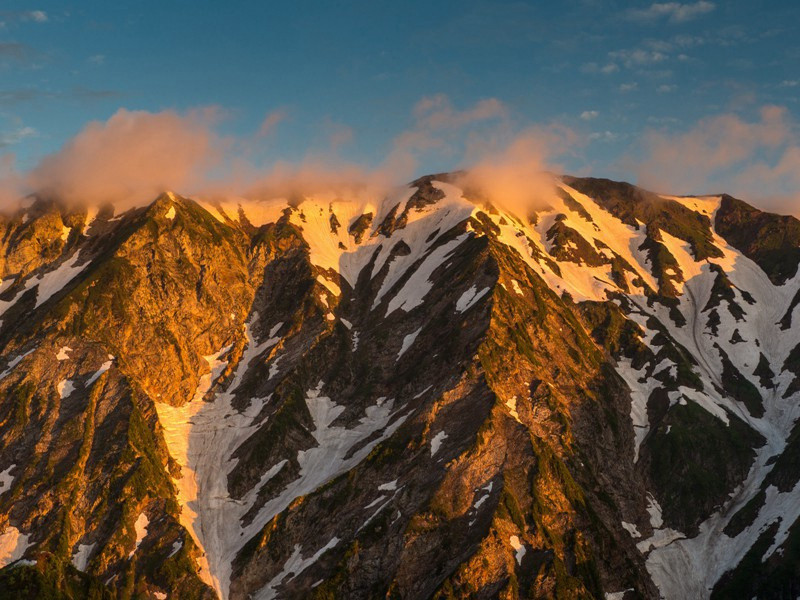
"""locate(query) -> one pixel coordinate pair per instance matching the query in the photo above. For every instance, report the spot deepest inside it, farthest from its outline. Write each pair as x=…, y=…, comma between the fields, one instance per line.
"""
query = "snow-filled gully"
x=202, y=436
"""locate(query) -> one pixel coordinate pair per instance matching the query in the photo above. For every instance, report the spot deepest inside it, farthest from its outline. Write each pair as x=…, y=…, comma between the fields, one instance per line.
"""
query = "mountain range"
x=419, y=395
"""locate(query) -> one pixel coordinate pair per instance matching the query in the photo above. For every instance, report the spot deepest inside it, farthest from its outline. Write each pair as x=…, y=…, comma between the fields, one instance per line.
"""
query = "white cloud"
x=628, y=87
x=688, y=41
x=603, y=136
x=666, y=88
x=588, y=115
x=15, y=137
x=788, y=83
x=37, y=15
x=674, y=12
x=594, y=68
x=637, y=57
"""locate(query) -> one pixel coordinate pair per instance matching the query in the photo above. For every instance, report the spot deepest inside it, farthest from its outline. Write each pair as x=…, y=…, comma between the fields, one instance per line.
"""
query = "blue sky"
x=345, y=78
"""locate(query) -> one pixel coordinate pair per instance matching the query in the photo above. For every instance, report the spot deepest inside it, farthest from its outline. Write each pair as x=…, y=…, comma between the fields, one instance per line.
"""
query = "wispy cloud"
x=35, y=15
x=20, y=96
x=516, y=174
x=628, y=87
x=15, y=137
x=756, y=159
x=271, y=121
x=594, y=68
x=19, y=54
x=638, y=57
x=588, y=115
x=10, y=16
x=438, y=112
x=673, y=12
x=14, y=51
x=604, y=136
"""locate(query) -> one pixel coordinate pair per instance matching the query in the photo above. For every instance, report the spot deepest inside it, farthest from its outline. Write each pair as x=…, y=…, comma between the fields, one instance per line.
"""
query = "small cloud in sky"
x=97, y=59
x=662, y=120
x=659, y=45
x=338, y=134
x=15, y=137
x=271, y=121
x=10, y=16
x=594, y=68
x=14, y=50
x=36, y=15
x=673, y=12
x=588, y=115
x=688, y=41
x=638, y=57
x=789, y=83
x=666, y=88
x=438, y=112
x=628, y=87
x=603, y=136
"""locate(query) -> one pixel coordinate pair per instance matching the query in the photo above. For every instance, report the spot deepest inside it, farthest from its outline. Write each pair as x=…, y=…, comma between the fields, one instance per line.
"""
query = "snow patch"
x=436, y=442
x=54, y=281
x=65, y=387
x=332, y=287
x=654, y=510
x=511, y=403
x=295, y=565
x=419, y=284
x=103, y=368
x=469, y=298
x=407, y=341
x=81, y=556
x=141, y=531
x=13, y=545
x=632, y=529
x=273, y=368
x=6, y=479
x=519, y=548
x=13, y=363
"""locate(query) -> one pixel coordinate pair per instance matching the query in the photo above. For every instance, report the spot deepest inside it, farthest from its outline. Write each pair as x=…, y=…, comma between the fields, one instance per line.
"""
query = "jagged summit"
x=418, y=395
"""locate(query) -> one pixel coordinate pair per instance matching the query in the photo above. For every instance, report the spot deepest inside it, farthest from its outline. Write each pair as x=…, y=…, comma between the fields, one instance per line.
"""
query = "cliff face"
x=410, y=397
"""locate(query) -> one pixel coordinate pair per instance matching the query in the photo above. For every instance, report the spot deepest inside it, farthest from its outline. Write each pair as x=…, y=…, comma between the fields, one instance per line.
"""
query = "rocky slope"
x=417, y=396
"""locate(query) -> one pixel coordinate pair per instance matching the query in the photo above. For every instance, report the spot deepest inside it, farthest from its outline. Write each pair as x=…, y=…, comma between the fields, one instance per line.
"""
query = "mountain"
x=416, y=396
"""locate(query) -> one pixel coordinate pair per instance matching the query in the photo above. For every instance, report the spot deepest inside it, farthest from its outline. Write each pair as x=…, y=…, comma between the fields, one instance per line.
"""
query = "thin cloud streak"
x=673, y=12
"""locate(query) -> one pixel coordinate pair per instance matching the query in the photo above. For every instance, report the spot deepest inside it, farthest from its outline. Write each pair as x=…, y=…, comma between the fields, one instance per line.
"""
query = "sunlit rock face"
x=420, y=395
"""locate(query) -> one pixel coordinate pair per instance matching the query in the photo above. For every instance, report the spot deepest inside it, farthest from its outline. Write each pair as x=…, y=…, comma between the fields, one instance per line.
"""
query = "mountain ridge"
x=491, y=405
